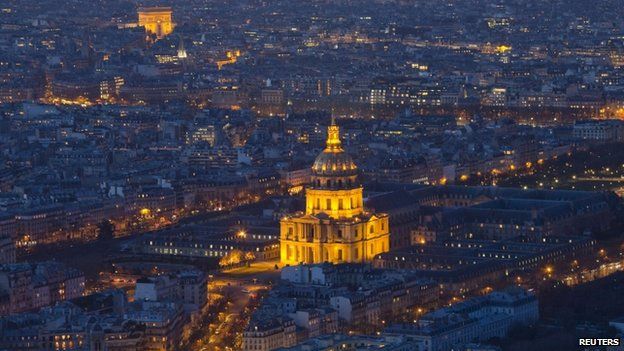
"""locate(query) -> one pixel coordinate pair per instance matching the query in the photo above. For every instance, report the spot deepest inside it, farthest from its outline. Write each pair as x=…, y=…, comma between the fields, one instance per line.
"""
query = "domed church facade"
x=335, y=226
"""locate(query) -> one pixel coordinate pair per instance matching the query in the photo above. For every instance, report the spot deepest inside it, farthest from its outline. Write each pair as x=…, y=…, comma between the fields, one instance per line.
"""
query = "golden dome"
x=334, y=161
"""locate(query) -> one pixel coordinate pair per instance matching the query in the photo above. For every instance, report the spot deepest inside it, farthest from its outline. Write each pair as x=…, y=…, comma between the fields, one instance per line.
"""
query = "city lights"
x=325, y=175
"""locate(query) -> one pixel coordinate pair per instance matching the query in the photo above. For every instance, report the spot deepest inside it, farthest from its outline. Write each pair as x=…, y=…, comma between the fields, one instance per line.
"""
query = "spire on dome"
x=334, y=162
x=333, y=137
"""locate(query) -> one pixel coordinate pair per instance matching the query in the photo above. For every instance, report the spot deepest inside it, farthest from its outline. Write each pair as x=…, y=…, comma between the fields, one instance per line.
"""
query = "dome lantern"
x=333, y=161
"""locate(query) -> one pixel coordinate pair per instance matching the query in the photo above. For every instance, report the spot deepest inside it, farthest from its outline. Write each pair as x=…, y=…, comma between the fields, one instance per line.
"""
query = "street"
x=240, y=288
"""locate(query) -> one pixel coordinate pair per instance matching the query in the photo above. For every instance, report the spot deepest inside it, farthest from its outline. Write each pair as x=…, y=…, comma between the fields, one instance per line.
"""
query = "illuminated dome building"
x=335, y=226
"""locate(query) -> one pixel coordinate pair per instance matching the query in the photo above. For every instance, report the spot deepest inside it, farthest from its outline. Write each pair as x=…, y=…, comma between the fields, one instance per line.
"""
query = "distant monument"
x=156, y=20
